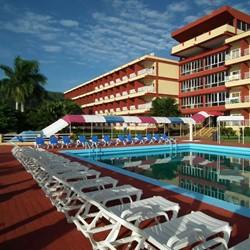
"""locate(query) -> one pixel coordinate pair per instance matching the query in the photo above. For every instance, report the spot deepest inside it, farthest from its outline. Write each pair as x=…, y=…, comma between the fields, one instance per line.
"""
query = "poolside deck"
x=29, y=221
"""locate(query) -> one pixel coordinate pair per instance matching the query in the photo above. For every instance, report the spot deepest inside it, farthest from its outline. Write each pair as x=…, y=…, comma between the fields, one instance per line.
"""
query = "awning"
x=202, y=115
x=68, y=119
x=231, y=118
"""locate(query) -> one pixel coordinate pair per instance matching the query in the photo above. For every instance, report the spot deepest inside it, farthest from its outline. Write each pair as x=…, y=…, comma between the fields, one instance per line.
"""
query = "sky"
x=75, y=41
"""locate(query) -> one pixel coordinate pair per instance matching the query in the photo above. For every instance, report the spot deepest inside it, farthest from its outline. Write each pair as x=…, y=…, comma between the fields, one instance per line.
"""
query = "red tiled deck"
x=29, y=221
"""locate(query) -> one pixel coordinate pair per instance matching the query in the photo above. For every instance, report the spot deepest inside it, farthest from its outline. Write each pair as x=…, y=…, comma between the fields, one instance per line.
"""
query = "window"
x=191, y=102
x=215, y=99
x=215, y=80
x=215, y=60
x=191, y=67
x=191, y=84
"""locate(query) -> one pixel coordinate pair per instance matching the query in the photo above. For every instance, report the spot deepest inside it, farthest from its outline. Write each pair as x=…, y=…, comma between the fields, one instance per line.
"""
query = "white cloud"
x=52, y=48
x=179, y=6
x=69, y=23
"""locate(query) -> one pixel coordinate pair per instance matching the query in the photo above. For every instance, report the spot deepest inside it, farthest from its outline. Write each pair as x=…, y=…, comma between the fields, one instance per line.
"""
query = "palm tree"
x=22, y=81
x=166, y=107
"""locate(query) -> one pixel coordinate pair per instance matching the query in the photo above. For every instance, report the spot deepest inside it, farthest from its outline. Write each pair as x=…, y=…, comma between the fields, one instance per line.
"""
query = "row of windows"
x=212, y=61
x=213, y=80
x=213, y=99
x=191, y=84
x=243, y=26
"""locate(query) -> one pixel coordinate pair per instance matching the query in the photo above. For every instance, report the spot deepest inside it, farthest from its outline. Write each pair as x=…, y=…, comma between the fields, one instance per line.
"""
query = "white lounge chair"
x=137, y=212
x=219, y=243
x=186, y=230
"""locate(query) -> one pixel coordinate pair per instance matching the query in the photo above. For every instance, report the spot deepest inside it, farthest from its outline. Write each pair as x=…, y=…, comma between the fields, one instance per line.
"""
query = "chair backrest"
x=121, y=137
x=53, y=140
x=157, y=137
x=106, y=138
x=149, y=136
x=94, y=138
x=66, y=139
x=139, y=137
x=130, y=138
x=39, y=140
x=164, y=136
x=82, y=138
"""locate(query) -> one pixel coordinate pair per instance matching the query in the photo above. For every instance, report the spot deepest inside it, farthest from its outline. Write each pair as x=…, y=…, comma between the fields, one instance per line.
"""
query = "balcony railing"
x=145, y=106
x=146, y=89
x=238, y=99
x=236, y=54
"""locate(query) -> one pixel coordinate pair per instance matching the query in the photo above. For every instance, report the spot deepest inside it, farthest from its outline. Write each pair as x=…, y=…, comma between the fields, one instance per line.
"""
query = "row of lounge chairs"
x=112, y=215
x=105, y=141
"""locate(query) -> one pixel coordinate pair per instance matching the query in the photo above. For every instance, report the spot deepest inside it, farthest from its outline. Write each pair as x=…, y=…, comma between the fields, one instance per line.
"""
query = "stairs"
x=205, y=132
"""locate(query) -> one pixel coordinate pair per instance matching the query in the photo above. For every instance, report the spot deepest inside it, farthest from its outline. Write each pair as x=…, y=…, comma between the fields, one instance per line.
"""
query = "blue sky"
x=77, y=40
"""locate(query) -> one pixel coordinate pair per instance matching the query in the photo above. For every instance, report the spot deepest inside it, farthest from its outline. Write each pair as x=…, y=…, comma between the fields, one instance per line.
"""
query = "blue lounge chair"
x=149, y=138
x=66, y=141
x=94, y=141
x=82, y=140
x=129, y=139
x=157, y=138
x=122, y=139
x=139, y=139
x=39, y=142
x=165, y=138
x=53, y=142
x=106, y=140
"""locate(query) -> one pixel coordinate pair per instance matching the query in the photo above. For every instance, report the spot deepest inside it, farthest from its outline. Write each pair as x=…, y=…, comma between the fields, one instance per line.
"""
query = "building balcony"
x=204, y=42
x=237, y=56
x=236, y=79
x=237, y=102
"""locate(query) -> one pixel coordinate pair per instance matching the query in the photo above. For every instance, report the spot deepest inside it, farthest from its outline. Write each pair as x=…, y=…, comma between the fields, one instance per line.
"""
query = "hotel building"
x=129, y=89
x=214, y=63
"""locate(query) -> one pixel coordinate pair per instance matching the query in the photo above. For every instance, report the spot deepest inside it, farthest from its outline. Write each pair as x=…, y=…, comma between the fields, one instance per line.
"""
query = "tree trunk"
x=22, y=107
x=16, y=105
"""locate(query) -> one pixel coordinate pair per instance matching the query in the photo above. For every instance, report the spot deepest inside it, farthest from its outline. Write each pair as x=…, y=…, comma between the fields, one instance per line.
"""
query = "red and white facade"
x=204, y=67
x=129, y=89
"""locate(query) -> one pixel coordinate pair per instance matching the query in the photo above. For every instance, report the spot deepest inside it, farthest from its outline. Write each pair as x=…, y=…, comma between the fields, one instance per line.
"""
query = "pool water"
x=221, y=173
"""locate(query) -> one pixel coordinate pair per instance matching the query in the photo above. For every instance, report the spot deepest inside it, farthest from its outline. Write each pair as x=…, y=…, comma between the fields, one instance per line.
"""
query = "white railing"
x=101, y=86
x=132, y=75
x=237, y=99
x=246, y=52
x=124, y=93
x=112, y=83
x=146, y=89
x=145, y=106
x=118, y=80
x=132, y=91
x=124, y=78
x=233, y=54
x=232, y=100
x=106, y=84
x=124, y=108
x=106, y=98
x=235, y=76
x=132, y=107
x=117, y=109
x=111, y=97
x=111, y=110
x=118, y=95
x=246, y=75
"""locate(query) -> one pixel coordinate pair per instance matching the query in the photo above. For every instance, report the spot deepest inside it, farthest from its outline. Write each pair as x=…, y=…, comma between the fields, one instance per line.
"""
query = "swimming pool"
x=216, y=175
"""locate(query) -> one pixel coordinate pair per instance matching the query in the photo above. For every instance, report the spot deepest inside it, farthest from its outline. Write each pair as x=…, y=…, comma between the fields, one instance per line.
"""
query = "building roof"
x=213, y=20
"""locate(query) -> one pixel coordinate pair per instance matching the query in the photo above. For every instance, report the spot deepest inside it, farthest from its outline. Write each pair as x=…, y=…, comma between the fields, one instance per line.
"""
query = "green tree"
x=52, y=111
x=22, y=82
x=10, y=119
x=165, y=107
